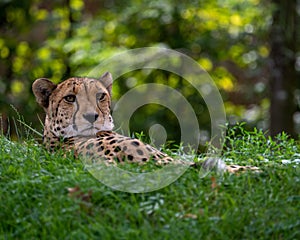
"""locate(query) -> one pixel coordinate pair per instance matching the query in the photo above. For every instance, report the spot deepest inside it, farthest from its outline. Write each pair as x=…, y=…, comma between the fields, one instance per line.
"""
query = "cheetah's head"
x=75, y=107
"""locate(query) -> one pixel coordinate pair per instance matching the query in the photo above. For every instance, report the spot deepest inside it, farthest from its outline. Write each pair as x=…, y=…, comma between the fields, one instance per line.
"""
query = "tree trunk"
x=282, y=67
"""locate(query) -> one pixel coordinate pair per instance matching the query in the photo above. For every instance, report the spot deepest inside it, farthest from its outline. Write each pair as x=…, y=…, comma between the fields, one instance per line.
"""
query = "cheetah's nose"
x=91, y=117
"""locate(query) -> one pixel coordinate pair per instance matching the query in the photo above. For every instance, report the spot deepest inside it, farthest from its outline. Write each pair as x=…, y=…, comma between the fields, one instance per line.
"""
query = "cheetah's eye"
x=70, y=98
x=100, y=96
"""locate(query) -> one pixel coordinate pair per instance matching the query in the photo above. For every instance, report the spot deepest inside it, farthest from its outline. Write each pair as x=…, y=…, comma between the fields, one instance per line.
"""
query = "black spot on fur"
x=135, y=143
x=90, y=145
x=105, y=134
x=107, y=152
x=149, y=149
x=117, y=149
x=100, y=149
x=81, y=147
x=144, y=159
x=130, y=157
x=112, y=141
x=140, y=152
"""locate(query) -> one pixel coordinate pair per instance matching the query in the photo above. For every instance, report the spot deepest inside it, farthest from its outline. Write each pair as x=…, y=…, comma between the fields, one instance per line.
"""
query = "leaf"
x=84, y=198
x=214, y=184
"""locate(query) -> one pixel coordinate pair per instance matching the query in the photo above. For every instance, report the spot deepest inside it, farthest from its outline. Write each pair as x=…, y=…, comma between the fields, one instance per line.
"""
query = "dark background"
x=250, y=48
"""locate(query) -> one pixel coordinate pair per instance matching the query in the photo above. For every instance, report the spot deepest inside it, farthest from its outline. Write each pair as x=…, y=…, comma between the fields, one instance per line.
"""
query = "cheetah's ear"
x=106, y=80
x=42, y=89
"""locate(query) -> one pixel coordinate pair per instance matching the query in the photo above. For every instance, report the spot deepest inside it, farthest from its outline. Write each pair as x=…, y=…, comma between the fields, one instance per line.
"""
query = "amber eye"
x=100, y=96
x=70, y=98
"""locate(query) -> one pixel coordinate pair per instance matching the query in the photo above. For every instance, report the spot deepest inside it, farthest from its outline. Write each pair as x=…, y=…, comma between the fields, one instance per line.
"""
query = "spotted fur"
x=78, y=117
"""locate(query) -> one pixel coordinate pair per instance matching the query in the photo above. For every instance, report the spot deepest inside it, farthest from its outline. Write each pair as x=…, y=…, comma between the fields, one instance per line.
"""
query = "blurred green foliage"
x=59, y=39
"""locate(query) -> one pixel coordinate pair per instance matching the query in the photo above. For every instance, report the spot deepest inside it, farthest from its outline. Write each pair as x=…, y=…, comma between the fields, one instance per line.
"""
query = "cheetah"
x=78, y=118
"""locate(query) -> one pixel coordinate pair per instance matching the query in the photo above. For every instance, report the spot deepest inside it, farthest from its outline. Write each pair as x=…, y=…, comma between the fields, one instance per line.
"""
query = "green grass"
x=34, y=200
